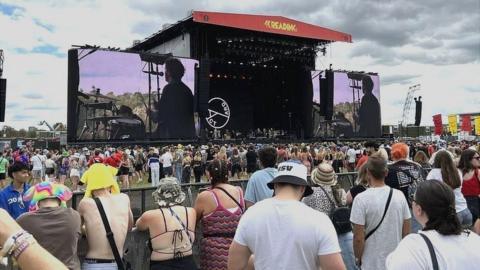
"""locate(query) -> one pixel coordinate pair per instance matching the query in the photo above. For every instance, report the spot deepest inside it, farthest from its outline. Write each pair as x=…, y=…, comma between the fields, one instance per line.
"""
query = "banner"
x=477, y=125
x=466, y=123
x=437, y=122
x=452, y=124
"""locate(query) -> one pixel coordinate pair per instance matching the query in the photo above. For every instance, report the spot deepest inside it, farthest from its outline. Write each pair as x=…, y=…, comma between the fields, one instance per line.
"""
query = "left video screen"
x=132, y=96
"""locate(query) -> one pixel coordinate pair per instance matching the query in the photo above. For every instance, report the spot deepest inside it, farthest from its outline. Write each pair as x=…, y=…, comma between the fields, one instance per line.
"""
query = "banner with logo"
x=477, y=125
x=466, y=123
x=437, y=122
x=452, y=124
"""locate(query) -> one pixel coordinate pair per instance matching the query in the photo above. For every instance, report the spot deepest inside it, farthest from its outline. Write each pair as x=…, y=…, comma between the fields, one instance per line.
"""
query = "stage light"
x=241, y=63
x=253, y=64
x=229, y=62
x=229, y=41
x=225, y=76
x=211, y=75
x=218, y=76
x=264, y=66
x=276, y=66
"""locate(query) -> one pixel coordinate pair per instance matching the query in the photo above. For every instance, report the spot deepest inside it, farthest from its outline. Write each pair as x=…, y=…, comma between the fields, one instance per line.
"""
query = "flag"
x=466, y=123
x=477, y=125
x=437, y=122
x=452, y=123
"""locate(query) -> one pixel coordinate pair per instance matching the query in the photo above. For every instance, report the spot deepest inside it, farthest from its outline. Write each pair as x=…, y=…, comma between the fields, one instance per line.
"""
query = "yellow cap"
x=100, y=176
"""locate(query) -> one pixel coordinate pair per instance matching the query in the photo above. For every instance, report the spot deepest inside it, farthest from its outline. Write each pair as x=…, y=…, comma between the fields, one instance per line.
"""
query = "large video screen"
x=357, y=104
x=132, y=96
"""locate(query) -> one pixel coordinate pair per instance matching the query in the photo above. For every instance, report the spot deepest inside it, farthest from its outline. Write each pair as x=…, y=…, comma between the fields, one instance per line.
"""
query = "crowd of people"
x=414, y=205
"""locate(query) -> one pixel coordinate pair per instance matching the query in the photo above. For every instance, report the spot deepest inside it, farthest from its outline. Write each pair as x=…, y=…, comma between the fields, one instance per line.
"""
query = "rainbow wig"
x=47, y=190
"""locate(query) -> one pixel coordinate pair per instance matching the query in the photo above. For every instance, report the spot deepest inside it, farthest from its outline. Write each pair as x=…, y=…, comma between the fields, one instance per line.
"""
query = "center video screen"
x=356, y=104
x=133, y=96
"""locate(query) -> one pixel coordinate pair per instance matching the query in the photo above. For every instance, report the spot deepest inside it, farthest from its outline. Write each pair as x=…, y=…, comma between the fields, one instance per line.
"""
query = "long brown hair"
x=445, y=163
x=465, y=163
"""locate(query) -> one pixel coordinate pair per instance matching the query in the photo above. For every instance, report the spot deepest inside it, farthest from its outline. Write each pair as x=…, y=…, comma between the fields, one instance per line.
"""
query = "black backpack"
x=340, y=216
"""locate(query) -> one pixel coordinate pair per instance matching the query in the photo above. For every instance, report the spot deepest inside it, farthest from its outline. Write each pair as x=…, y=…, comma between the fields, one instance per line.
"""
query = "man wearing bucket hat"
x=54, y=226
x=284, y=221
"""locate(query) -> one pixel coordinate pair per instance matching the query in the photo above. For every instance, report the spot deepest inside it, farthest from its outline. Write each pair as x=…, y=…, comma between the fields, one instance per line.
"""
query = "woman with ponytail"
x=444, y=169
x=219, y=209
x=453, y=248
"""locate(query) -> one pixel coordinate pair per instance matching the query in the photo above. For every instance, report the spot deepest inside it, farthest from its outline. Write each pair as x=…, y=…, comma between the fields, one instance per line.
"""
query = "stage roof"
x=260, y=23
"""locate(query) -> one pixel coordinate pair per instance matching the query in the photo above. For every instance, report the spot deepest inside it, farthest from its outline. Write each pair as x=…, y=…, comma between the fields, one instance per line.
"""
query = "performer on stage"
x=174, y=115
x=369, y=112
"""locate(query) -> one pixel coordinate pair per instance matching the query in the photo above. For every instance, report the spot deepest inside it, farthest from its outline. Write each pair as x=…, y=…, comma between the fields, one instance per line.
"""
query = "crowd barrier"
x=141, y=200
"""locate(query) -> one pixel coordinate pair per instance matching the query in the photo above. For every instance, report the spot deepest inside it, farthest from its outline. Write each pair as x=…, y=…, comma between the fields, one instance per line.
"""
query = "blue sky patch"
x=32, y=96
x=21, y=117
x=48, y=49
x=9, y=10
x=46, y=26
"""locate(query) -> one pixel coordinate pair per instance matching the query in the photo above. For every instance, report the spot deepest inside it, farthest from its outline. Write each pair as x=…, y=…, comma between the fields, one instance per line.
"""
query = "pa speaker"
x=3, y=98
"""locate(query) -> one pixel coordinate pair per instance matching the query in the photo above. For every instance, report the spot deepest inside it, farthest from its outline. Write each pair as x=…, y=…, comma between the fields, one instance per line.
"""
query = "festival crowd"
x=413, y=206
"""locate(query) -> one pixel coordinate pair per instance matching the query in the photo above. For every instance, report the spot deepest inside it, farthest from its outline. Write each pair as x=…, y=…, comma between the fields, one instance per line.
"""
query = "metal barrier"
x=141, y=201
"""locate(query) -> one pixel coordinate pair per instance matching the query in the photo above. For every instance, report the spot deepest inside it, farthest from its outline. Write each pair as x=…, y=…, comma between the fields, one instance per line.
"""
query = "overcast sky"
x=431, y=42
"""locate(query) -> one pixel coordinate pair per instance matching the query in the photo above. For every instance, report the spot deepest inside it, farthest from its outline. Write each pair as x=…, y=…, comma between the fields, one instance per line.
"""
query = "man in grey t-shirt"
x=367, y=211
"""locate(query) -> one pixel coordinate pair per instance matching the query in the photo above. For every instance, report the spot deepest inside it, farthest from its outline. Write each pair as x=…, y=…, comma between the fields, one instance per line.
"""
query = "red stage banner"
x=466, y=123
x=437, y=122
x=270, y=24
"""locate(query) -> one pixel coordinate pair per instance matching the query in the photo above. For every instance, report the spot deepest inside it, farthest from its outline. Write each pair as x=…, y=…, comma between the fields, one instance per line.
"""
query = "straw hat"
x=324, y=175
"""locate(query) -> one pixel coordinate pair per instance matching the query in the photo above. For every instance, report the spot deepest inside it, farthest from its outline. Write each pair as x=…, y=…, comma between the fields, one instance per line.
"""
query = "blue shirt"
x=257, y=188
x=12, y=201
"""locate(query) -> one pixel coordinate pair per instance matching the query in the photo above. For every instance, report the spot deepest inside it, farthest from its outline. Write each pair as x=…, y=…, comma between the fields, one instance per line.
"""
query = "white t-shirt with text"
x=367, y=210
x=452, y=252
x=286, y=235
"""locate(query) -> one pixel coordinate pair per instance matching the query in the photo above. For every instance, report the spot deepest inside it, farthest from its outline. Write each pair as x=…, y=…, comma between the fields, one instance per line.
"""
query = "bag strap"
x=111, y=239
x=431, y=251
x=231, y=197
x=185, y=228
x=384, y=213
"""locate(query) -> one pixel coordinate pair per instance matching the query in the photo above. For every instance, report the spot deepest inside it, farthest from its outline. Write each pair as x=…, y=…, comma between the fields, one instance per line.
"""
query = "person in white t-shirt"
x=284, y=233
x=454, y=248
x=37, y=167
x=375, y=237
x=166, y=159
x=351, y=157
x=444, y=169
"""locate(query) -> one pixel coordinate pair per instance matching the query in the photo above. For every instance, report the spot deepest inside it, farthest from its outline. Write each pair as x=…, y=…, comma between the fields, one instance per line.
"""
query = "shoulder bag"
x=384, y=213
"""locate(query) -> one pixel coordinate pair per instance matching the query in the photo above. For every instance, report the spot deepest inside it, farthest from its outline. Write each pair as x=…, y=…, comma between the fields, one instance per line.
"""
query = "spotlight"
x=229, y=62
x=225, y=76
x=241, y=63
x=264, y=66
x=218, y=76
x=276, y=66
x=229, y=41
x=211, y=75
x=253, y=64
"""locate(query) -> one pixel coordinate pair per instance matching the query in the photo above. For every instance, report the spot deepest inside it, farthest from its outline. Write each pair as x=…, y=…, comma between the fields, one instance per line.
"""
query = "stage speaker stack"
x=418, y=111
x=3, y=98
x=329, y=95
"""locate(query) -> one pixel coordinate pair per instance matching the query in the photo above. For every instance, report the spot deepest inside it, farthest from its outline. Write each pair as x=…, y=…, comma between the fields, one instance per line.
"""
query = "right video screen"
x=357, y=104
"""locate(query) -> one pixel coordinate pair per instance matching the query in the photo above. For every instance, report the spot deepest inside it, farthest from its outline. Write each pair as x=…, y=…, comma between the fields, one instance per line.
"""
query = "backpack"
x=339, y=215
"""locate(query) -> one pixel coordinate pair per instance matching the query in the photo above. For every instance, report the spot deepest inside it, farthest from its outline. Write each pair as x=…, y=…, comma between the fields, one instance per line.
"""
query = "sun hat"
x=100, y=176
x=292, y=173
x=324, y=175
x=168, y=193
x=47, y=190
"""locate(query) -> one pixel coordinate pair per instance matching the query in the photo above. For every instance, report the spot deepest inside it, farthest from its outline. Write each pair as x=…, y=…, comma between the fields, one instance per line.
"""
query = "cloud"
x=46, y=26
x=12, y=105
x=398, y=79
x=32, y=96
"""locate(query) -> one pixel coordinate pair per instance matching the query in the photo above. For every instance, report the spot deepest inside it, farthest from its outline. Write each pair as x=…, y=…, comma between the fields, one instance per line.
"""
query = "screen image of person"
x=174, y=115
x=369, y=112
